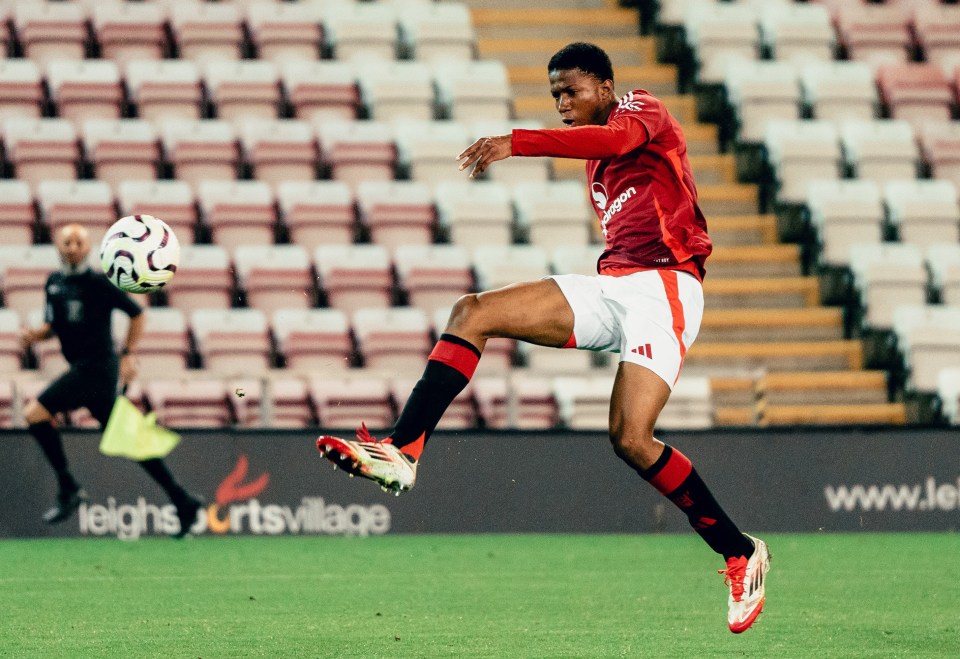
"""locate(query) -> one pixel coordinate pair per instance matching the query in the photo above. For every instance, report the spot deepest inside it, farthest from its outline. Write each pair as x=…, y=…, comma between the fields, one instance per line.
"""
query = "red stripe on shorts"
x=673, y=474
x=456, y=356
x=672, y=290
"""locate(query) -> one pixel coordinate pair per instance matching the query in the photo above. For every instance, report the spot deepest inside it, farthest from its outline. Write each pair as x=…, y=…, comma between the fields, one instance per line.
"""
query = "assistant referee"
x=79, y=305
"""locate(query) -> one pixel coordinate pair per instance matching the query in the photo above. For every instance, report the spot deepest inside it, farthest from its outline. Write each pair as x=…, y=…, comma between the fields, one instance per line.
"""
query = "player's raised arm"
x=485, y=151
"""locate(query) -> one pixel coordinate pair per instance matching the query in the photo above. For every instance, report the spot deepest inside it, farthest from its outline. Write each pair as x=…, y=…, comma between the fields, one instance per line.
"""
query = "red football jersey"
x=640, y=182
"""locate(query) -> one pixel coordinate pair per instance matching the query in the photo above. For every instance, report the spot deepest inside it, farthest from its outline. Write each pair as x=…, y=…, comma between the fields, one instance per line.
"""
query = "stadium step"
x=819, y=388
x=775, y=260
x=760, y=292
x=727, y=198
x=742, y=229
x=708, y=169
x=789, y=415
x=739, y=356
x=570, y=24
x=624, y=51
x=539, y=106
x=762, y=325
x=657, y=79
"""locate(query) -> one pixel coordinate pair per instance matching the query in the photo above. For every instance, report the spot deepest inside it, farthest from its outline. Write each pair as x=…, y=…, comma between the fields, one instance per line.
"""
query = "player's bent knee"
x=34, y=412
x=463, y=312
x=629, y=443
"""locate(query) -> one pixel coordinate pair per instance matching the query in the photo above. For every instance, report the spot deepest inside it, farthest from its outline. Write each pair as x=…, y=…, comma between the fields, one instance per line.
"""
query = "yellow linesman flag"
x=130, y=434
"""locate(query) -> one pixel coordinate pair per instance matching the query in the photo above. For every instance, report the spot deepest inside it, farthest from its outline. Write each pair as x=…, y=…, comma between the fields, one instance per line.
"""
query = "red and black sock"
x=675, y=478
x=449, y=369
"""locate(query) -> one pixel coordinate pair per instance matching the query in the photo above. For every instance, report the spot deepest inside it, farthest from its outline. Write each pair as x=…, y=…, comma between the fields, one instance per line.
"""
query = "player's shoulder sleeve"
x=639, y=106
x=117, y=298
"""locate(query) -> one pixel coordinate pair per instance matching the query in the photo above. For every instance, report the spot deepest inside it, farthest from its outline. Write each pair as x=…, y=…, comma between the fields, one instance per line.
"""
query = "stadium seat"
x=881, y=150
x=127, y=31
x=844, y=213
x=516, y=401
x=426, y=149
x=761, y=91
x=512, y=170
x=928, y=339
x=51, y=30
x=948, y=390
x=288, y=402
x=925, y=212
x=41, y=149
x=357, y=151
x=346, y=402
x=164, y=89
x=839, y=90
x=21, y=89
x=206, y=31
x=367, y=29
x=24, y=270
x=434, y=276
x=887, y=275
x=584, y=401
x=243, y=89
x=321, y=91
x=872, y=33
x=48, y=355
x=437, y=31
x=17, y=215
x=171, y=201
x=232, y=341
x=85, y=89
x=279, y=150
x=940, y=145
x=393, y=339
x=690, y=406
x=501, y=265
x=943, y=261
x=189, y=402
x=285, y=30
x=238, y=212
x=354, y=276
x=317, y=212
x=393, y=90
x=801, y=151
x=164, y=347
x=475, y=213
x=792, y=31
x=313, y=340
x=575, y=259
x=937, y=27
x=473, y=90
x=89, y=203
x=201, y=150
x=6, y=403
x=121, y=149
x=11, y=348
x=275, y=276
x=204, y=279
x=397, y=212
x=716, y=32
x=553, y=213
x=918, y=92
x=460, y=415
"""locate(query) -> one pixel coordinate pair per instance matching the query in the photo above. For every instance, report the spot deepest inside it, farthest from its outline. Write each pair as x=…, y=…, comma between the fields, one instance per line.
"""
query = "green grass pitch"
x=858, y=595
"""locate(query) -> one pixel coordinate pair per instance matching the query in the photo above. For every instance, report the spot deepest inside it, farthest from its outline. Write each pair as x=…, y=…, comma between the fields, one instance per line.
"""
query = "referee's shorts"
x=88, y=384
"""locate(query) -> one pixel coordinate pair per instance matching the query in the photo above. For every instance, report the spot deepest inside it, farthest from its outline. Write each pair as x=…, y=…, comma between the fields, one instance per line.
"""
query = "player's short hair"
x=587, y=57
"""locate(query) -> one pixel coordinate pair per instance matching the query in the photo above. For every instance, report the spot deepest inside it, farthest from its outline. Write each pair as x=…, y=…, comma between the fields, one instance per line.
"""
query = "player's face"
x=74, y=245
x=581, y=98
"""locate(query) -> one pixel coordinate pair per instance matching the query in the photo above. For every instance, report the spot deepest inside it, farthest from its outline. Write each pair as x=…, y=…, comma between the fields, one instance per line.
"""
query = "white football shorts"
x=651, y=318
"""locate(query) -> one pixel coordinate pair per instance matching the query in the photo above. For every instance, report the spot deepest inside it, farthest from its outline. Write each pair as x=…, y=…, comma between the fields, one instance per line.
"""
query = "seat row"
x=346, y=277
x=516, y=401
x=78, y=89
x=310, y=213
x=275, y=151
x=197, y=30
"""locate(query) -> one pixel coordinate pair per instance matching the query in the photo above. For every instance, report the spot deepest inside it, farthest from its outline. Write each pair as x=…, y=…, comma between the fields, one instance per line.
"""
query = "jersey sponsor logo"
x=615, y=207
x=630, y=101
x=643, y=351
x=599, y=194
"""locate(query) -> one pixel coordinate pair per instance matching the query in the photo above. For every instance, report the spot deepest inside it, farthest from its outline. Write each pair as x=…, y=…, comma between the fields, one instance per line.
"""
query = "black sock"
x=51, y=444
x=449, y=369
x=675, y=478
x=158, y=472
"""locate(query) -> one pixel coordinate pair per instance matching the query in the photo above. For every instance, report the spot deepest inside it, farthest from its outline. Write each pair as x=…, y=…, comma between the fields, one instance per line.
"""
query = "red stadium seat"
x=41, y=149
x=313, y=340
x=275, y=276
x=285, y=30
x=11, y=348
x=188, y=402
x=21, y=89
x=876, y=34
x=937, y=27
x=321, y=91
x=204, y=279
x=89, y=203
x=917, y=92
x=51, y=30
x=243, y=89
x=85, y=89
x=395, y=339
x=434, y=276
x=516, y=401
x=17, y=215
x=171, y=201
x=130, y=30
x=164, y=347
x=164, y=89
x=201, y=150
x=280, y=150
x=232, y=341
x=121, y=149
x=288, y=402
x=397, y=212
x=317, y=212
x=354, y=276
x=6, y=403
x=24, y=270
x=357, y=151
x=346, y=402
x=238, y=212
x=207, y=31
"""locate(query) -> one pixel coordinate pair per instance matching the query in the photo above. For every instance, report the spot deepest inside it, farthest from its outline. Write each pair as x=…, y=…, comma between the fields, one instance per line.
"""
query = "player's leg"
x=57, y=397
x=536, y=312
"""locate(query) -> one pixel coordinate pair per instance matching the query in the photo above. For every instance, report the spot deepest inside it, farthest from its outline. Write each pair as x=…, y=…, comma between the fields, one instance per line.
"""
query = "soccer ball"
x=139, y=253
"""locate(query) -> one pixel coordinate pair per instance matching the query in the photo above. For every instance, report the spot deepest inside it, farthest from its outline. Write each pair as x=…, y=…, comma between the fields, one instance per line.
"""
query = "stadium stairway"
x=774, y=354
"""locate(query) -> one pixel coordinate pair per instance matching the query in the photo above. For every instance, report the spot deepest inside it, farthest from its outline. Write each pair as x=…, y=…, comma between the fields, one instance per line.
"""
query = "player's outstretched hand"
x=485, y=151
